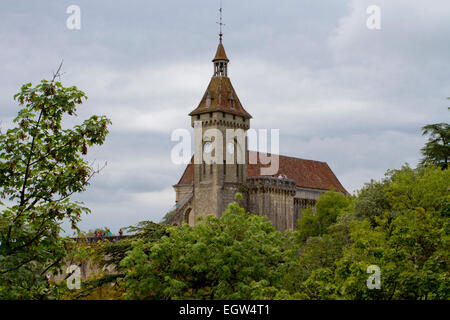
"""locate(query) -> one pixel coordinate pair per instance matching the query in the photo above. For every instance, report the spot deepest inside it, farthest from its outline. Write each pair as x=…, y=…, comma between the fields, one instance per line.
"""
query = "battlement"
x=271, y=184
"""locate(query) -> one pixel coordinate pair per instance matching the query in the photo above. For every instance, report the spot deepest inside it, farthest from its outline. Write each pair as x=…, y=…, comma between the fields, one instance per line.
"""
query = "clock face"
x=208, y=147
x=230, y=147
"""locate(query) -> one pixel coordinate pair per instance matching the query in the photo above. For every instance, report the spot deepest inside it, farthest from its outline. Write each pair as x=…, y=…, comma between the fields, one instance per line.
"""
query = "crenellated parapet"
x=220, y=119
x=271, y=184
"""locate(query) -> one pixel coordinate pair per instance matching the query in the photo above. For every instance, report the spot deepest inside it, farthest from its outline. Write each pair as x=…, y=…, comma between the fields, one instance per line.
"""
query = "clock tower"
x=221, y=152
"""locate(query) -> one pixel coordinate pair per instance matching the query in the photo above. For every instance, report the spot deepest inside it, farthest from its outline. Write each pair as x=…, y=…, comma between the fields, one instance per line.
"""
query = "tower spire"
x=220, y=60
x=220, y=23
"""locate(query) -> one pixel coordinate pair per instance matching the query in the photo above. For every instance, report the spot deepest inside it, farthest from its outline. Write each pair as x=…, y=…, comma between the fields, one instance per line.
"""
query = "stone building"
x=207, y=188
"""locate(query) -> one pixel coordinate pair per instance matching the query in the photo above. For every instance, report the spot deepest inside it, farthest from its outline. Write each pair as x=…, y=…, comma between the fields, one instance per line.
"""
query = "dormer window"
x=208, y=100
x=232, y=101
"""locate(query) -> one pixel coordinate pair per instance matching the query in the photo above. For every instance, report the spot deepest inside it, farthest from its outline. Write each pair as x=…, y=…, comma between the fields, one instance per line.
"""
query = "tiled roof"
x=308, y=174
x=188, y=175
x=220, y=54
x=220, y=91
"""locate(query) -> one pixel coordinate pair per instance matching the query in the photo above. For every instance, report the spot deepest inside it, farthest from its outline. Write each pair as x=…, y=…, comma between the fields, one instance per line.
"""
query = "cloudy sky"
x=340, y=93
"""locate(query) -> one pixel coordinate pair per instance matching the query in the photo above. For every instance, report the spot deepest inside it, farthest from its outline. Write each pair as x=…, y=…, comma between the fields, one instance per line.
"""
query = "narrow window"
x=208, y=100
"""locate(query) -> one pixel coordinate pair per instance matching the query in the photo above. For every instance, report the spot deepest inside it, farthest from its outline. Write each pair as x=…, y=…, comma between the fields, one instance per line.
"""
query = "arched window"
x=188, y=217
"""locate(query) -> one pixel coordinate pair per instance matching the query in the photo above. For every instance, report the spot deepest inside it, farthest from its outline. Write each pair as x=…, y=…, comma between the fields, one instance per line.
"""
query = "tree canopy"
x=437, y=148
x=399, y=224
x=222, y=258
x=41, y=166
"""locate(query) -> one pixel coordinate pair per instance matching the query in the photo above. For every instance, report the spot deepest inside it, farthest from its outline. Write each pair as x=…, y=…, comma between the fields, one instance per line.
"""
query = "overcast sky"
x=340, y=93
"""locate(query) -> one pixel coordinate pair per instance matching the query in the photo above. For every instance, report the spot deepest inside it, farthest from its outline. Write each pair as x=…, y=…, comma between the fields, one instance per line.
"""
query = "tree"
x=411, y=247
x=231, y=257
x=323, y=240
x=168, y=217
x=41, y=166
x=399, y=224
x=110, y=256
x=328, y=208
x=371, y=202
x=437, y=149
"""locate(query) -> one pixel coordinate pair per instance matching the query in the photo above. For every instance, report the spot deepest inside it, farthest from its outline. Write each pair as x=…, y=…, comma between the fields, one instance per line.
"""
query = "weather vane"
x=220, y=23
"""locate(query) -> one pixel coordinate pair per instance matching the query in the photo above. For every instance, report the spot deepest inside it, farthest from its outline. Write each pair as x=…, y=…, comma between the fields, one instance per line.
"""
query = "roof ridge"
x=292, y=157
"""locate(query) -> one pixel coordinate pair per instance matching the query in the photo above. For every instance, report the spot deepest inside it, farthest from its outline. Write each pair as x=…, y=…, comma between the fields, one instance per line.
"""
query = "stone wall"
x=273, y=198
x=216, y=184
x=182, y=191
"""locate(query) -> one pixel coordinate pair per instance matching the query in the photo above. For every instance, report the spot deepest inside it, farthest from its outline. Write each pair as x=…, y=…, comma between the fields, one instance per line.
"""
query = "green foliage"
x=399, y=224
x=105, y=254
x=411, y=247
x=168, y=217
x=372, y=202
x=100, y=284
x=437, y=149
x=41, y=167
x=230, y=257
x=426, y=188
x=146, y=231
x=328, y=208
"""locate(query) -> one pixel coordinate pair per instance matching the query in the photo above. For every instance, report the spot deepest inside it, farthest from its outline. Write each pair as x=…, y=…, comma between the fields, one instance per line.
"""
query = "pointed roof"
x=220, y=92
x=220, y=54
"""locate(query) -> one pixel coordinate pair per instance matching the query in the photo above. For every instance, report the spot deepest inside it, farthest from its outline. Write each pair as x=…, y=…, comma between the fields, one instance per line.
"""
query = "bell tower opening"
x=221, y=62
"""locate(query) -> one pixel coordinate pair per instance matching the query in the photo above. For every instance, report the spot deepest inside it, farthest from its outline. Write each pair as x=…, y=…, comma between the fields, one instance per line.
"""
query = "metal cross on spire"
x=220, y=23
